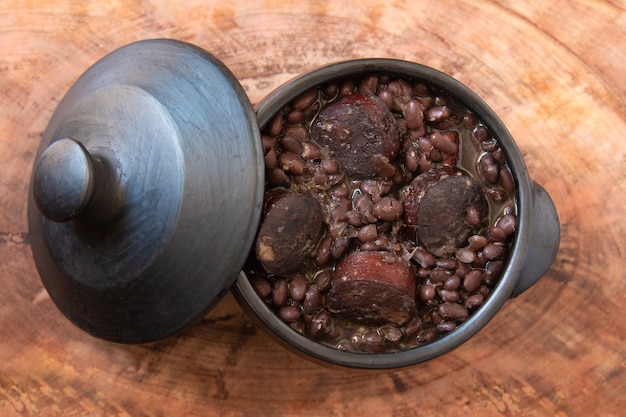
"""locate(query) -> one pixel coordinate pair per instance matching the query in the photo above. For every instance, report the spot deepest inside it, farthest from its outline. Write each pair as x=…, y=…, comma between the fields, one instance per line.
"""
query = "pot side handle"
x=545, y=235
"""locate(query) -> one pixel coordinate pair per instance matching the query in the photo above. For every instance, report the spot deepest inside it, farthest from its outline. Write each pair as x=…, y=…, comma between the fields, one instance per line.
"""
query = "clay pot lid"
x=146, y=192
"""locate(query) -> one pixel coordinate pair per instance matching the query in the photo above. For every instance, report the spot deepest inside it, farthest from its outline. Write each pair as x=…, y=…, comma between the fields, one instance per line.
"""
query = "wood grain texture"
x=554, y=72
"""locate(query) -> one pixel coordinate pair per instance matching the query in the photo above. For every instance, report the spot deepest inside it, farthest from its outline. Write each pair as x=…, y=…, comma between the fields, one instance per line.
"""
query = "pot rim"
x=325, y=355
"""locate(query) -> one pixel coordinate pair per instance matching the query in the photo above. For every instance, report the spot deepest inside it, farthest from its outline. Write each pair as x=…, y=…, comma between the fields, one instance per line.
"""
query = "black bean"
x=312, y=300
x=453, y=311
x=493, y=271
x=268, y=143
x=311, y=150
x=297, y=287
x=496, y=234
x=279, y=292
x=506, y=180
x=509, y=209
x=340, y=247
x=343, y=346
x=493, y=251
x=421, y=89
x=276, y=125
x=435, y=155
x=401, y=92
x=449, y=295
x=346, y=88
x=261, y=285
x=368, y=84
x=411, y=158
x=271, y=159
x=289, y=313
x=305, y=99
x=375, y=188
x=320, y=324
x=298, y=326
x=480, y=261
x=462, y=269
x=426, y=101
x=339, y=213
x=427, y=336
x=354, y=219
x=390, y=333
x=387, y=97
x=374, y=342
x=424, y=164
x=323, y=251
x=340, y=191
x=446, y=327
x=297, y=131
x=338, y=229
x=489, y=145
x=439, y=275
x=477, y=242
x=367, y=233
x=368, y=247
x=294, y=117
x=508, y=223
x=330, y=91
x=413, y=114
x=470, y=120
x=465, y=255
x=452, y=283
x=424, y=258
x=489, y=168
x=474, y=301
x=412, y=327
x=388, y=209
x=426, y=293
x=445, y=141
x=323, y=280
x=446, y=263
x=330, y=166
x=473, y=216
x=473, y=280
x=276, y=177
x=382, y=242
x=498, y=155
x=484, y=291
x=291, y=144
x=442, y=100
x=364, y=206
x=291, y=163
x=437, y=114
x=423, y=273
x=496, y=194
x=425, y=145
x=481, y=133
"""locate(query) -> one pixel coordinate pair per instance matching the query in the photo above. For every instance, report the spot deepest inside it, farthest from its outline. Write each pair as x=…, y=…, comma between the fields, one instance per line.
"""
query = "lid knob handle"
x=63, y=181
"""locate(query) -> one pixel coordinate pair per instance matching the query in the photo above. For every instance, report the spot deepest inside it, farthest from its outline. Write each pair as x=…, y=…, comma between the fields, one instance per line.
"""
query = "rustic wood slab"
x=554, y=71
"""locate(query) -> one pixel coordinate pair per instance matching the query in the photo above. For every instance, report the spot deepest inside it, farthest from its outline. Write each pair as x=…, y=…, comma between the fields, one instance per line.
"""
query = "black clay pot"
x=533, y=250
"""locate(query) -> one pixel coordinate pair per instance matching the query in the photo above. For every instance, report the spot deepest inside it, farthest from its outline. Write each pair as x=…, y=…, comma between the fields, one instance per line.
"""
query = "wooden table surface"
x=554, y=71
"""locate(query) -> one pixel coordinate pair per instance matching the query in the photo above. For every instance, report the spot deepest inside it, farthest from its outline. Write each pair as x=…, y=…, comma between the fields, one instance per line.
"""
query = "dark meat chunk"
x=360, y=132
x=443, y=208
x=373, y=288
x=289, y=233
x=413, y=194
